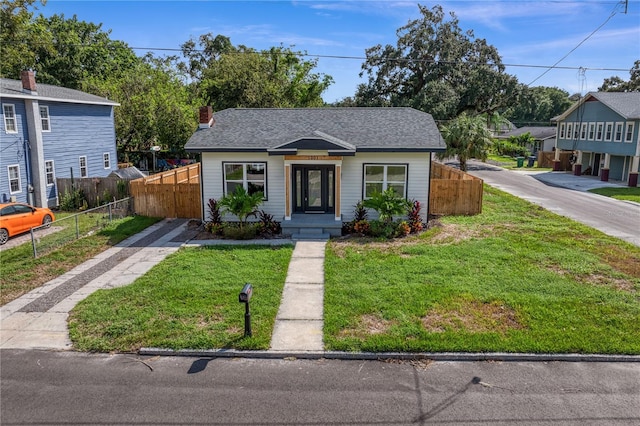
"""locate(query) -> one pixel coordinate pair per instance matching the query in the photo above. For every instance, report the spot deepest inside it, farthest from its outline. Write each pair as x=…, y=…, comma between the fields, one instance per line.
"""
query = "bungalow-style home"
x=313, y=165
x=602, y=131
x=48, y=132
x=544, y=137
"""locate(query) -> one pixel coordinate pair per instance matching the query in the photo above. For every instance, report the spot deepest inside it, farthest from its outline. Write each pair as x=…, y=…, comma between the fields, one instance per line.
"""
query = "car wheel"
x=46, y=221
x=4, y=236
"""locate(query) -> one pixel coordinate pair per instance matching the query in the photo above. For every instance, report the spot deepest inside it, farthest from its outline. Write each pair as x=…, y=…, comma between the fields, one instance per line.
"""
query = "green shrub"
x=236, y=231
x=502, y=147
x=72, y=200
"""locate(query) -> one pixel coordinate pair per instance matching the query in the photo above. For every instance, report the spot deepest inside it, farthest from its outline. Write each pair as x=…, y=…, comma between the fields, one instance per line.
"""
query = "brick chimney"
x=206, y=117
x=28, y=78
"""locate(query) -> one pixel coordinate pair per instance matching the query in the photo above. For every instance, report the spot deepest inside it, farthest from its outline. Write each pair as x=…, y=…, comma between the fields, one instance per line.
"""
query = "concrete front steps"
x=312, y=227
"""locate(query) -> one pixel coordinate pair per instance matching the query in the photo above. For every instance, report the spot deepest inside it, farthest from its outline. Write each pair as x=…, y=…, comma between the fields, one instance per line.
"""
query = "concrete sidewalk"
x=38, y=319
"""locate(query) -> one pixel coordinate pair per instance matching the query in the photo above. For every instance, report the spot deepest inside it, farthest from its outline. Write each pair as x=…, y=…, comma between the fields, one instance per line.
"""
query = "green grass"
x=516, y=278
x=21, y=273
x=629, y=193
x=190, y=300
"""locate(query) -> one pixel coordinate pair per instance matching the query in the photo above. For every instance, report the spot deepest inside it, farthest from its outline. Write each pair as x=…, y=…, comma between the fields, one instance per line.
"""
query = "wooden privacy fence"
x=453, y=192
x=96, y=191
x=175, y=193
x=545, y=159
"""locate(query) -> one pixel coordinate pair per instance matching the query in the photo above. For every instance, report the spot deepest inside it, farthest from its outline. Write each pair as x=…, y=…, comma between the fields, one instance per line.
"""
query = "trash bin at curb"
x=520, y=161
x=532, y=159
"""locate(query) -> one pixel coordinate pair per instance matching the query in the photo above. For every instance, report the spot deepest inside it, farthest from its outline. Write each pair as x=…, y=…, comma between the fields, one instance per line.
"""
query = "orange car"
x=16, y=218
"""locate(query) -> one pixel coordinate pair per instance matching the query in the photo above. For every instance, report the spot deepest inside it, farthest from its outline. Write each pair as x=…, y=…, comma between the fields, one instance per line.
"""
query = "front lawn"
x=629, y=193
x=190, y=300
x=516, y=278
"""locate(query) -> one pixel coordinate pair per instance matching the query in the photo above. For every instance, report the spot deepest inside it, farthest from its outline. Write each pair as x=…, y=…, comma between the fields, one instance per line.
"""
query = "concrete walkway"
x=299, y=321
x=38, y=319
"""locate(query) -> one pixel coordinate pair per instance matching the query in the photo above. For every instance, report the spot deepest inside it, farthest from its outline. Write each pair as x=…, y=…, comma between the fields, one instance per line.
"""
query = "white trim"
x=50, y=99
x=591, y=133
x=47, y=173
x=12, y=107
x=569, y=130
x=599, y=130
x=628, y=134
x=85, y=167
x=576, y=131
x=46, y=119
x=19, y=178
x=618, y=125
x=608, y=132
x=106, y=160
x=583, y=131
x=562, y=129
x=245, y=180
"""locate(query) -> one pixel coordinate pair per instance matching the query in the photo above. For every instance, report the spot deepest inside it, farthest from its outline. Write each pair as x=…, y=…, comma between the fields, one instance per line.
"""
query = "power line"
x=407, y=60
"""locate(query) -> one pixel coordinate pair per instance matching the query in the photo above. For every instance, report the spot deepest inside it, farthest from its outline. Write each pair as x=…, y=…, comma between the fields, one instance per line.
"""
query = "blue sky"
x=525, y=32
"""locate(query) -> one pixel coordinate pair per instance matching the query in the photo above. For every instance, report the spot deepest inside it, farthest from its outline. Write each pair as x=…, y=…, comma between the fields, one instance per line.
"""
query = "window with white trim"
x=583, y=131
x=562, y=126
x=628, y=135
x=576, y=131
x=608, y=133
x=82, y=160
x=251, y=176
x=15, y=185
x=10, y=125
x=618, y=133
x=49, y=172
x=106, y=160
x=44, y=119
x=569, y=130
x=380, y=177
x=592, y=131
x=599, y=131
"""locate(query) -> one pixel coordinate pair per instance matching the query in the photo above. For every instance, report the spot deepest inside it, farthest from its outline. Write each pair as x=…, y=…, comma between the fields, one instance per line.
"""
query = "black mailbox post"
x=244, y=297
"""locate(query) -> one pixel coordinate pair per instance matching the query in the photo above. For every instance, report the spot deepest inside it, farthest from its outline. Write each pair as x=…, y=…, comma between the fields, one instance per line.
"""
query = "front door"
x=596, y=165
x=313, y=189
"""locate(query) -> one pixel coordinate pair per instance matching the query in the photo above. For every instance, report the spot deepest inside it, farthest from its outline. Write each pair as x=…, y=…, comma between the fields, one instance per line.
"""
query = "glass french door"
x=313, y=189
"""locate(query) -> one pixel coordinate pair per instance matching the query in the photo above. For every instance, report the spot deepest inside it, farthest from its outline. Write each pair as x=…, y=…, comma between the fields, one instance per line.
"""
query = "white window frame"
x=576, y=131
x=106, y=160
x=599, y=131
x=84, y=171
x=569, y=130
x=608, y=131
x=245, y=180
x=50, y=172
x=562, y=127
x=10, y=120
x=385, y=181
x=592, y=132
x=628, y=134
x=617, y=136
x=583, y=131
x=45, y=121
x=17, y=178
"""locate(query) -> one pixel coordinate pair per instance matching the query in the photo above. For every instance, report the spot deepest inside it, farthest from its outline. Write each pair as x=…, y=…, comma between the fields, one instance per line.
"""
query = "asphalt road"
x=613, y=217
x=40, y=387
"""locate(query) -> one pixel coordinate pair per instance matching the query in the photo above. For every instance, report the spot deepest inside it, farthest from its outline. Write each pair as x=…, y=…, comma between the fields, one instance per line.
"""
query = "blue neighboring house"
x=603, y=132
x=49, y=132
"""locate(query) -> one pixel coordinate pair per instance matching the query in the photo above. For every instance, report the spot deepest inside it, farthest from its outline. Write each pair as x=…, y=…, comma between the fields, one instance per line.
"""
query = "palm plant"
x=466, y=137
x=388, y=204
x=241, y=204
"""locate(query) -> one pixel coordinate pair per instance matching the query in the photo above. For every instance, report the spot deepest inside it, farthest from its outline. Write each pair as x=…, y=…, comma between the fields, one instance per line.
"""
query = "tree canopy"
x=538, y=105
x=616, y=84
x=230, y=76
x=437, y=67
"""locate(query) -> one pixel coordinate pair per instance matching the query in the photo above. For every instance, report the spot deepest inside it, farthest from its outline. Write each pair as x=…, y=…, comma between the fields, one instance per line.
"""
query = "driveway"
x=551, y=190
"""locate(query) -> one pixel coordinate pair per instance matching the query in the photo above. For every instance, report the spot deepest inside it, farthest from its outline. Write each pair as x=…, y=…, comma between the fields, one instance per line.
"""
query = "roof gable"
x=13, y=89
x=625, y=104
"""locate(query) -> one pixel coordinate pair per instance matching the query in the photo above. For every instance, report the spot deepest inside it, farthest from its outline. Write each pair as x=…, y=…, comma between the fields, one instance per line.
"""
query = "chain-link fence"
x=46, y=238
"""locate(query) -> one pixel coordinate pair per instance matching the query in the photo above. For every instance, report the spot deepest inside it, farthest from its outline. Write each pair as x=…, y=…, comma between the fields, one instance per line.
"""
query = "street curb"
x=372, y=356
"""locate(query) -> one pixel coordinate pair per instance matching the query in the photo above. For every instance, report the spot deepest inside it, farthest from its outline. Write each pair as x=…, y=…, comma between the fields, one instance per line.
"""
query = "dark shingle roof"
x=13, y=89
x=539, y=133
x=627, y=104
x=367, y=129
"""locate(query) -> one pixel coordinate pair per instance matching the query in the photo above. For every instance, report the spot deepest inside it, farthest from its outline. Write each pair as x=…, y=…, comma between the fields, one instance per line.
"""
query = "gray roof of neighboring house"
x=627, y=104
x=362, y=129
x=538, y=133
x=13, y=89
x=128, y=173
